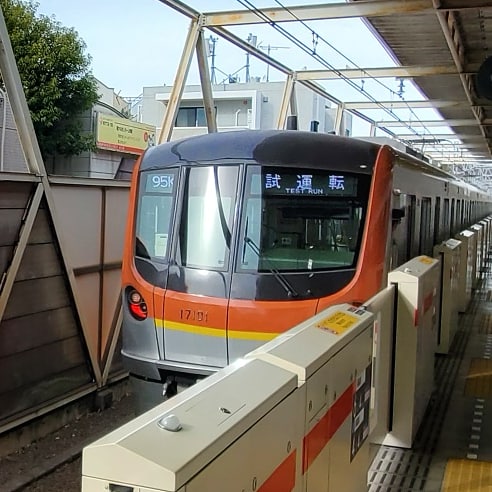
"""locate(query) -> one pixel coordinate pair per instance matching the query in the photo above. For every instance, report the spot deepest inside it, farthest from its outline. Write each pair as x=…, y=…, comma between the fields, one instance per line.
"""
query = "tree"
x=55, y=75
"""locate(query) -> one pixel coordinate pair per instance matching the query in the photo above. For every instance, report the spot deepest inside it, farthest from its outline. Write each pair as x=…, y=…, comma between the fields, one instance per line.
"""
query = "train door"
x=195, y=304
x=292, y=237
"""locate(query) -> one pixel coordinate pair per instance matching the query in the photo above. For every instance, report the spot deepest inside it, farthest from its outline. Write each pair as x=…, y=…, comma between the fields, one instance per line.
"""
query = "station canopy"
x=432, y=92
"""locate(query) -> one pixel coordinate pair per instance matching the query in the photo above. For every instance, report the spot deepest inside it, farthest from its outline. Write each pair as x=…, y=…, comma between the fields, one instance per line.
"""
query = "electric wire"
x=252, y=8
x=336, y=50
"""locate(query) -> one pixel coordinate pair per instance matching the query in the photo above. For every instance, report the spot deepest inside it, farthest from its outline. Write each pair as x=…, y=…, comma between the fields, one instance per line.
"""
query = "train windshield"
x=300, y=219
x=155, y=209
x=208, y=205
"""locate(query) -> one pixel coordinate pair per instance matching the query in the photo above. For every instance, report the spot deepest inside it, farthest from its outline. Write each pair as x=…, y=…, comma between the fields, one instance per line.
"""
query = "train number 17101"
x=193, y=315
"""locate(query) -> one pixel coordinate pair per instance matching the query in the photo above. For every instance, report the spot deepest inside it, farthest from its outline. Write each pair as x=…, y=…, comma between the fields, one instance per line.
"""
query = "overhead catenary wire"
x=312, y=52
x=368, y=75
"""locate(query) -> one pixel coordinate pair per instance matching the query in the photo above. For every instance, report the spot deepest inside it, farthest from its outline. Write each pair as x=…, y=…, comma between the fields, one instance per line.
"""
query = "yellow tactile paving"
x=479, y=379
x=467, y=476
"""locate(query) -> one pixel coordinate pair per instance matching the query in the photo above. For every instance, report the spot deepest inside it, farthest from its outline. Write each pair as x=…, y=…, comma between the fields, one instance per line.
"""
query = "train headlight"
x=136, y=305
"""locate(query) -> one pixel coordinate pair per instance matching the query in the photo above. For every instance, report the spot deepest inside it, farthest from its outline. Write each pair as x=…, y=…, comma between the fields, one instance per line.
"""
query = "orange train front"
x=235, y=237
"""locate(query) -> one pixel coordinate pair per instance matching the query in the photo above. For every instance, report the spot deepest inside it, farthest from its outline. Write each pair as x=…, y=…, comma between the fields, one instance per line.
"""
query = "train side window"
x=446, y=221
x=459, y=217
x=452, y=223
x=425, y=243
x=411, y=226
x=437, y=220
x=207, y=217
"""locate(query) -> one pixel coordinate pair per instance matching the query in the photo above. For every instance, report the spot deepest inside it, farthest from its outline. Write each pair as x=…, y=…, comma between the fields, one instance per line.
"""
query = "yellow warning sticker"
x=426, y=259
x=337, y=323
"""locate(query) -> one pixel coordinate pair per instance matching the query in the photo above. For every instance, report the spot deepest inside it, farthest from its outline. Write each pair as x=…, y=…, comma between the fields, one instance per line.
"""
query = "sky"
x=138, y=43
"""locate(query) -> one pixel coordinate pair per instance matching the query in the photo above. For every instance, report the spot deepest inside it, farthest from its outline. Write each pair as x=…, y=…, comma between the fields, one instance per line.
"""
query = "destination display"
x=162, y=182
x=303, y=182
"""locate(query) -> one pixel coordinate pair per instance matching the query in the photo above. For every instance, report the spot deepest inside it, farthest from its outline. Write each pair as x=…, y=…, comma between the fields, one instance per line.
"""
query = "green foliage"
x=55, y=74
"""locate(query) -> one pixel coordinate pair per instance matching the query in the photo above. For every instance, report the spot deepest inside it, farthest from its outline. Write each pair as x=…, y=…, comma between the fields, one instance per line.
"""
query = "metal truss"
x=446, y=12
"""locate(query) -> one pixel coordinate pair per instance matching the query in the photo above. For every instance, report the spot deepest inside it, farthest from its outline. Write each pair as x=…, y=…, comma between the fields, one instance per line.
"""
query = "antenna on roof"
x=211, y=52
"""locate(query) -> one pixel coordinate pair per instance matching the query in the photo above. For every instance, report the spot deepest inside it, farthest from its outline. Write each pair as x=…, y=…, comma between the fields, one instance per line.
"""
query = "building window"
x=191, y=117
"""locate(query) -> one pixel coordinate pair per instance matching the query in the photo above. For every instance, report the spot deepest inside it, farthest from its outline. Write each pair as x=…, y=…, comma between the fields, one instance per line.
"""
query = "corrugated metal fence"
x=59, y=312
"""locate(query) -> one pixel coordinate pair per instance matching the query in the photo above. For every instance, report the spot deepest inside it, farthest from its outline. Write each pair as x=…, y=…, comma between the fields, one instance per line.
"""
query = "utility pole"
x=251, y=39
x=269, y=48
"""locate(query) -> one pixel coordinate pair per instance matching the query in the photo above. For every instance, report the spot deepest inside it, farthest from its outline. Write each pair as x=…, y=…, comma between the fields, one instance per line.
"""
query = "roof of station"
x=441, y=45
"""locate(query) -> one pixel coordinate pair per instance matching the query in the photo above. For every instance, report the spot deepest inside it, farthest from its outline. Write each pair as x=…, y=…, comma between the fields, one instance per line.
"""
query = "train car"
x=235, y=237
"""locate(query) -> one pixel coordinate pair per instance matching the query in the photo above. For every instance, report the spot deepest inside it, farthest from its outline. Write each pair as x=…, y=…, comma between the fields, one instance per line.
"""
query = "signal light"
x=136, y=305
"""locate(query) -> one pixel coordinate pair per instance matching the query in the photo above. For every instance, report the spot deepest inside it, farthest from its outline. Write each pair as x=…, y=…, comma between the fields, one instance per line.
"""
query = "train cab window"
x=301, y=219
x=207, y=216
x=154, y=212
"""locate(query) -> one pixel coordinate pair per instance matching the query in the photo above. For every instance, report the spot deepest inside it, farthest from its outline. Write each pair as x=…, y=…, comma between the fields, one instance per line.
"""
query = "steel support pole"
x=113, y=337
x=293, y=101
x=9, y=279
x=339, y=119
x=286, y=100
x=179, y=83
x=208, y=98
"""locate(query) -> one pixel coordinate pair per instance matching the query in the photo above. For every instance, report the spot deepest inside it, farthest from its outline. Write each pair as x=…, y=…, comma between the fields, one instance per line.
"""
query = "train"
x=235, y=237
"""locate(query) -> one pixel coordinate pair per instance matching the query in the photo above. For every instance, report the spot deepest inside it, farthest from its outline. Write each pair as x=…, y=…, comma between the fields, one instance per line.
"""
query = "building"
x=239, y=106
x=119, y=140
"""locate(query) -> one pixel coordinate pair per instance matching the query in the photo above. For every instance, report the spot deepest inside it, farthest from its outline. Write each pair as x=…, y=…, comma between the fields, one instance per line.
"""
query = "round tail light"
x=137, y=305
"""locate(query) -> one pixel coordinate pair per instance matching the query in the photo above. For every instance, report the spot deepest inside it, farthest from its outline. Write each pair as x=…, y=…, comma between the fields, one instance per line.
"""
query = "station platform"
x=453, y=447
x=451, y=452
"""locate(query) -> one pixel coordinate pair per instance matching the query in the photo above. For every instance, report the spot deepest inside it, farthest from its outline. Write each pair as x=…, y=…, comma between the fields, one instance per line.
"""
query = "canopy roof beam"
x=375, y=8
x=375, y=73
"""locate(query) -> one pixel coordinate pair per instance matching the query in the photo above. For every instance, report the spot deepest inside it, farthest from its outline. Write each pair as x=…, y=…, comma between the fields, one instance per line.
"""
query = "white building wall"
x=330, y=118
x=98, y=164
x=152, y=111
x=254, y=105
x=108, y=96
x=101, y=163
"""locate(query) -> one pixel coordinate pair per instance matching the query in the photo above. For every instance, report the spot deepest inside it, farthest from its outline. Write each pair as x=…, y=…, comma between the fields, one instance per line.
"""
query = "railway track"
x=53, y=462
